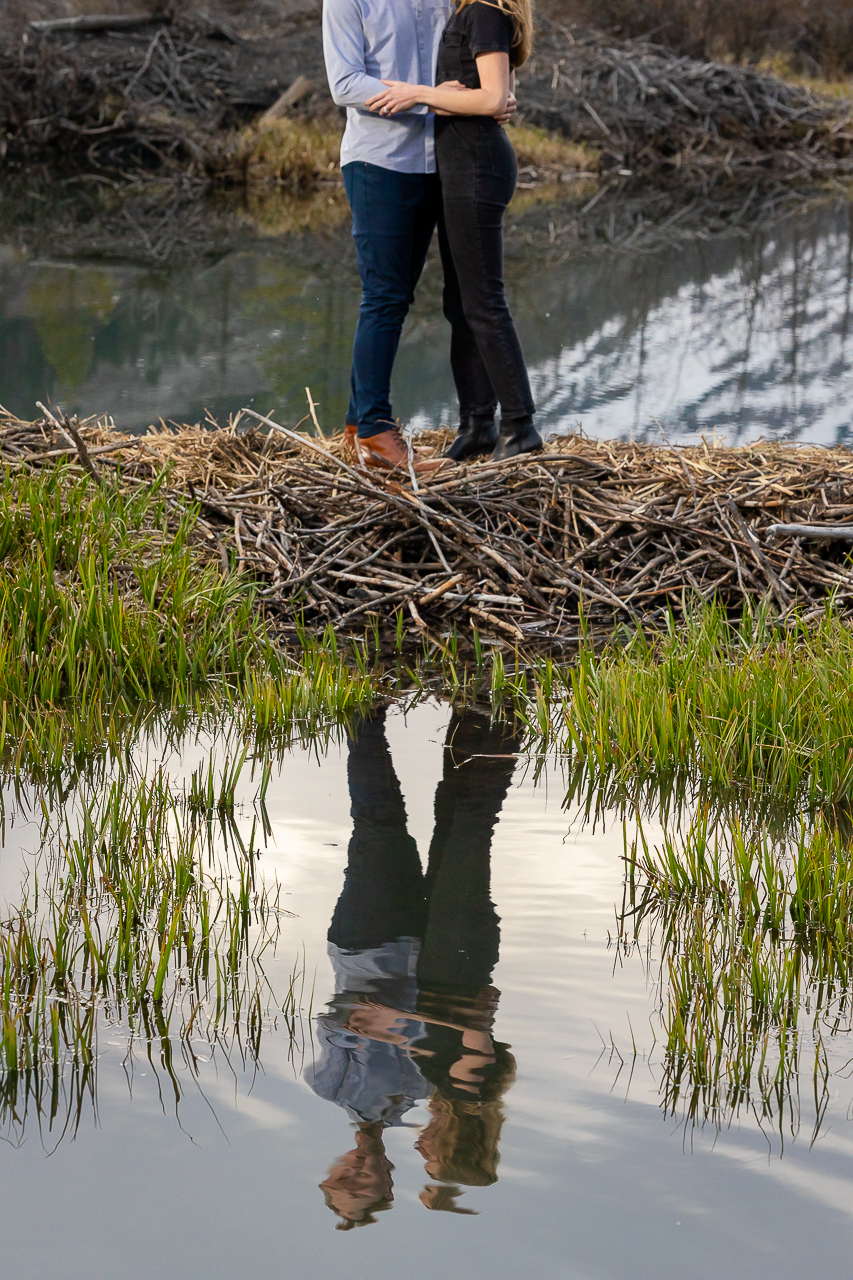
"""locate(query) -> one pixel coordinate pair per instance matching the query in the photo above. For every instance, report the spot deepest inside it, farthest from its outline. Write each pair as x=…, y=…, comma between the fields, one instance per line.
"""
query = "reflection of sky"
x=592, y=1183
x=749, y=336
x=763, y=356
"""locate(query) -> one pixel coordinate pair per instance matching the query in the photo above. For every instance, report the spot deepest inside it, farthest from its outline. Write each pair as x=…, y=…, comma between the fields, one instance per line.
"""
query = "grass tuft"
x=753, y=706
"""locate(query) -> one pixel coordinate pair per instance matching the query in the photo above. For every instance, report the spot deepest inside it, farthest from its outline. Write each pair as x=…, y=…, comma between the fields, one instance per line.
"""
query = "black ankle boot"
x=477, y=434
x=518, y=435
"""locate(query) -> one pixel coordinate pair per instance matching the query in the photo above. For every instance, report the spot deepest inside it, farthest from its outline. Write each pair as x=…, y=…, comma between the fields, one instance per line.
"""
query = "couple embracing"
x=428, y=86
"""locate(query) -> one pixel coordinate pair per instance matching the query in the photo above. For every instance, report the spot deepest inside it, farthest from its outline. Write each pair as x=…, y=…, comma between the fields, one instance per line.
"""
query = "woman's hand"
x=398, y=96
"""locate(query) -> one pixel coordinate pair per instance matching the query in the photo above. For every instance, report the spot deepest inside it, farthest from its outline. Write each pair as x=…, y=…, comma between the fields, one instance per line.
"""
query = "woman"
x=482, y=45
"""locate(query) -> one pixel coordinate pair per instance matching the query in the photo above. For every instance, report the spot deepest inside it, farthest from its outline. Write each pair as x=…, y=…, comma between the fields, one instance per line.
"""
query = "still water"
x=750, y=335
x=473, y=1088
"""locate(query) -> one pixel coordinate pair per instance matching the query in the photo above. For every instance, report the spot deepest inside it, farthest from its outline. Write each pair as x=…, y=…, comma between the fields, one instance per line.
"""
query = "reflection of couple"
x=428, y=87
x=413, y=956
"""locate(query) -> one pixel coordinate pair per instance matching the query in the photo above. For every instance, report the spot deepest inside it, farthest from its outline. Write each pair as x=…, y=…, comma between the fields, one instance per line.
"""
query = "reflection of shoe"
x=476, y=434
x=518, y=435
x=387, y=451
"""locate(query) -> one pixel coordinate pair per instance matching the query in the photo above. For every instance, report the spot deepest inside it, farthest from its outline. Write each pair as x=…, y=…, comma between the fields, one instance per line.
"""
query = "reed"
x=135, y=920
x=111, y=605
x=754, y=709
x=753, y=942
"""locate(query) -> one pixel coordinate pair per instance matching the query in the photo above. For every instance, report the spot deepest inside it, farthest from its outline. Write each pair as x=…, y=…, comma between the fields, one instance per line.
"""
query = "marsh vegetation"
x=146, y=907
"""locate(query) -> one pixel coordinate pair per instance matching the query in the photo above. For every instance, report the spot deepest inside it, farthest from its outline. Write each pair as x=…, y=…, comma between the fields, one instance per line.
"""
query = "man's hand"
x=398, y=96
x=509, y=110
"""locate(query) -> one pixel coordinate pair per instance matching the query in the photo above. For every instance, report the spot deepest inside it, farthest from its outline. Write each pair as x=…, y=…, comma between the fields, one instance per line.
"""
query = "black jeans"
x=478, y=171
x=393, y=218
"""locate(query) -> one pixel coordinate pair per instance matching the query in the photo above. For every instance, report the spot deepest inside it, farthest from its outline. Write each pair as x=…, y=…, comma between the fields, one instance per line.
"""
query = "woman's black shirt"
x=477, y=28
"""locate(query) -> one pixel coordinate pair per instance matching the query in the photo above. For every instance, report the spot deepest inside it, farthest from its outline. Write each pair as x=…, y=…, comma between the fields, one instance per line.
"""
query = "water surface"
x=456, y=926
x=745, y=334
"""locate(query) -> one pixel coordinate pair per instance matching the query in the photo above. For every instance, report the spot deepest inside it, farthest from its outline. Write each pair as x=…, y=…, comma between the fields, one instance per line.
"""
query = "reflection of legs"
x=460, y=947
x=383, y=893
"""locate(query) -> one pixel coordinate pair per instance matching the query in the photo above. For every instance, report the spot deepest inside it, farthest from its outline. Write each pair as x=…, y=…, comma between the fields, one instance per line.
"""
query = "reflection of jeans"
x=385, y=893
x=393, y=218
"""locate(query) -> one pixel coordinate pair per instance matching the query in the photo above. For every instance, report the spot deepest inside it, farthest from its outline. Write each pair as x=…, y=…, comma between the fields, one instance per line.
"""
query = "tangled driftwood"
x=118, y=99
x=646, y=107
x=511, y=549
x=121, y=99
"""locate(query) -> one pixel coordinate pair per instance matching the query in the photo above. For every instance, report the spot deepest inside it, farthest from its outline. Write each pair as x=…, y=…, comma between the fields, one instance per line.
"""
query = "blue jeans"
x=393, y=218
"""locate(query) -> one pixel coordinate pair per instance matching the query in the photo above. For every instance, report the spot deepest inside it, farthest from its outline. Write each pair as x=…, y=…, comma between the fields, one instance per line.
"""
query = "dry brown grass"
x=295, y=152
x=550, y=155
x=784, y=66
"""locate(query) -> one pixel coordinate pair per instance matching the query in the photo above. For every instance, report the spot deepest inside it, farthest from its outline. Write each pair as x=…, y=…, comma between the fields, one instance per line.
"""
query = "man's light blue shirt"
x=366, y=42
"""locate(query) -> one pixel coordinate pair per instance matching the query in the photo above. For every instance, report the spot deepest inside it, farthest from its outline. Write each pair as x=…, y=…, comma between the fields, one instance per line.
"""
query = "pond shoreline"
x=188, y=106
x=527, y=555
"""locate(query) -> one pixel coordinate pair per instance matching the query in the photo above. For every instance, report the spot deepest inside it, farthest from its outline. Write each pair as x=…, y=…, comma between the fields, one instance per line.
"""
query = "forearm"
x=465, y=102
x=353, y=88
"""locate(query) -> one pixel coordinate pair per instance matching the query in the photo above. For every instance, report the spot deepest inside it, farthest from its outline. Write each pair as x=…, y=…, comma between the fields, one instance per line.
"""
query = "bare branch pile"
x=646, y=107
x=129, y=98
x=511, y=550
x=116, y=99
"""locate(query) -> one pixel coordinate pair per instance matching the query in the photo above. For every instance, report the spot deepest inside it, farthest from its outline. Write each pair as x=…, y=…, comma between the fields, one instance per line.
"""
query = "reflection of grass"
x=133, y=922
x=68, y=306
x=756, y=955
x=276, y=298
x=548, y=167
x=554, y=193
x=273, y=212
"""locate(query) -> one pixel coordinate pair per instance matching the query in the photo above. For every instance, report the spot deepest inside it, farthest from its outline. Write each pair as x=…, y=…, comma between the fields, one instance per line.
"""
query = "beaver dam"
x=520, y=552
x=118, y=97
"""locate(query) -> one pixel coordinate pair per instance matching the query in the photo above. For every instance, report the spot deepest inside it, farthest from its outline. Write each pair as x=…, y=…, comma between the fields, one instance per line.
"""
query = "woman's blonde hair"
x=465, y=1138
x=465, y=1133
x=521, y=11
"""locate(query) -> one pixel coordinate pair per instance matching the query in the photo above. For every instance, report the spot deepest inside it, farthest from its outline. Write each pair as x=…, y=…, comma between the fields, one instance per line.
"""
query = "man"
x=388, y=166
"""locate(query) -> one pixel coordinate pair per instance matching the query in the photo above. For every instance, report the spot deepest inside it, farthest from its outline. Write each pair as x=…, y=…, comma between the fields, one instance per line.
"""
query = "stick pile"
x=121, y=100
x=646, y=107
x=509, y=549
x=118, y=100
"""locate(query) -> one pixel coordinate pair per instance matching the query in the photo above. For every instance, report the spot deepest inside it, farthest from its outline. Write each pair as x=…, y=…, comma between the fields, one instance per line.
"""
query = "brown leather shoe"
x=387, y=451
x=351, y=435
